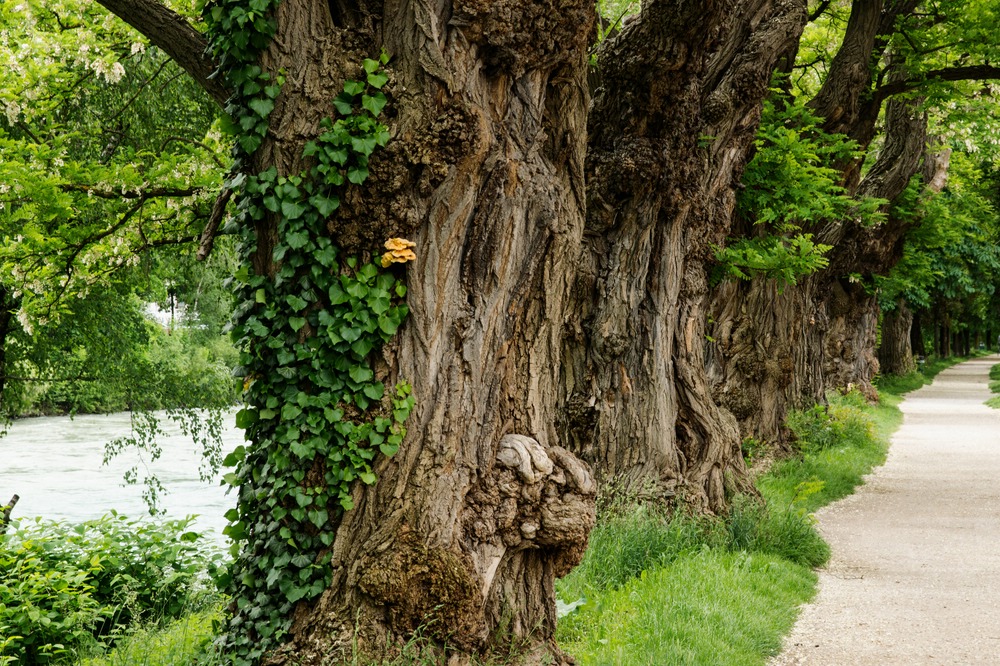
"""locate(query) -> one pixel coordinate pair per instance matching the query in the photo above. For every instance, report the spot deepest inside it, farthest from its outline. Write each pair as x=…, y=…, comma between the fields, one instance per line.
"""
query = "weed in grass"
x=184, y=641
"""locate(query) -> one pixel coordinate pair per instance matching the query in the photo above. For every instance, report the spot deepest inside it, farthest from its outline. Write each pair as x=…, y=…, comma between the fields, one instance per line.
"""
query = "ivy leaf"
x=262, y=106
x=290, y=412
x=377, y=80
x=370, y=66
x=364, y=145
x=367, y=477
x=247, y=417
x=344, y=104
x=325, y=205
x=374, y=103
x=357, y=175
x=375, y=391
x=297, y=239
x=388, y=449
x=362, y=346
x=361, y=374
x=296, y=323
x=353, y=88
x=292, y=210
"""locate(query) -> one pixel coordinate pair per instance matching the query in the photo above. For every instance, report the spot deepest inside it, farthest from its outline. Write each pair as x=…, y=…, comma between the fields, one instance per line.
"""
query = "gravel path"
x=915, y=573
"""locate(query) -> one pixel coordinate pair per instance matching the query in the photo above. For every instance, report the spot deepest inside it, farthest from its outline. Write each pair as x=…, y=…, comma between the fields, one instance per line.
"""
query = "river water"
x=55, y=465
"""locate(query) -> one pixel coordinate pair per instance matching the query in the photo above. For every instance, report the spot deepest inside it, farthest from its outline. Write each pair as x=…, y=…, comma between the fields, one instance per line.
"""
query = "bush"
x=842, y=422
x=64, y=587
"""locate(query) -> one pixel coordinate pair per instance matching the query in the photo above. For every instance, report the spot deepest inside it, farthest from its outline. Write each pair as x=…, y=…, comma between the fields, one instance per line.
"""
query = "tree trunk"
x=480, y=510
x=671, y=124
x=895, y=355
x=917, y=335
x=945, y=348
x=766, y=356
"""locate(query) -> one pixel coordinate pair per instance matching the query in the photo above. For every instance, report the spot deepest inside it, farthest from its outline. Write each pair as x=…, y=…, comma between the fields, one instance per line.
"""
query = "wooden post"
x=5, y=514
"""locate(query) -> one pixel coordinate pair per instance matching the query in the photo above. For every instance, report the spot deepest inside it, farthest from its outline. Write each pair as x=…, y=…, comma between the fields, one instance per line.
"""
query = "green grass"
x=709, y=607
x=184, y=641
x=994, y=402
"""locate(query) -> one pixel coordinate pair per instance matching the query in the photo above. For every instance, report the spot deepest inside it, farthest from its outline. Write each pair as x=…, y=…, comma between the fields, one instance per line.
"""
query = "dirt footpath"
x=915, y=573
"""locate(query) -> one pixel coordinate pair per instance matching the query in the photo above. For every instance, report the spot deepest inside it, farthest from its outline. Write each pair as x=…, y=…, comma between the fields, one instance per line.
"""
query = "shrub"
x=64, y=587
x=842, y=422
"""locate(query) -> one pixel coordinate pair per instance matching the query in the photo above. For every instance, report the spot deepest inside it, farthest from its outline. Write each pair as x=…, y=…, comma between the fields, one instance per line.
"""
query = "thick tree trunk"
x=471, y=521
x=766, y=356
x=676, y=111
x=895, y=354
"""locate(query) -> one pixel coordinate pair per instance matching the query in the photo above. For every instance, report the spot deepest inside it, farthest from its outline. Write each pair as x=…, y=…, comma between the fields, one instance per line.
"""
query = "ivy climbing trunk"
x=7, y=308
x=675, y=112
x=461, y=537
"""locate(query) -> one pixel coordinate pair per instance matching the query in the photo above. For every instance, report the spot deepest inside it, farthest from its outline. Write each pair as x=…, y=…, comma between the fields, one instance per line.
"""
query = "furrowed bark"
x=470, y=522
x=895, y=355
x=671, y=125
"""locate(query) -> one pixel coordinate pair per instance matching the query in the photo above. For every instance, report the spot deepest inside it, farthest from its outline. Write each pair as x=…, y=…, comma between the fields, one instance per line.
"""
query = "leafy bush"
x=66, y=587
x=842, y=422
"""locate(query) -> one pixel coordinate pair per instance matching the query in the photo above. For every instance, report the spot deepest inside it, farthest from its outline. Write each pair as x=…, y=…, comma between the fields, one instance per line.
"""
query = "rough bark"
x=895, y=353
x=764, y=360
x=671, y=124
x=480, y=510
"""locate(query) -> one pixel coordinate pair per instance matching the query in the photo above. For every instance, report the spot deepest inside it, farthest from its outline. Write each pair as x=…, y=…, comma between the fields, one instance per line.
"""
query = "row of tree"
x=634, y=252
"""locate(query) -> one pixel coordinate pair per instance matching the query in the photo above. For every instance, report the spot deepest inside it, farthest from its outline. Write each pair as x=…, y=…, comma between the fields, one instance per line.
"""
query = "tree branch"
x=212, y=227
x=175, y=37
x=151, y=193
x=969, y=73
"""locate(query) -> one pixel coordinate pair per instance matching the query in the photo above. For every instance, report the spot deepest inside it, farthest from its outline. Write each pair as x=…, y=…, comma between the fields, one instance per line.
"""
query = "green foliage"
x=184, y=641
x=827, y=426
x=790, y=187
x=839, y=443
x=65, y=588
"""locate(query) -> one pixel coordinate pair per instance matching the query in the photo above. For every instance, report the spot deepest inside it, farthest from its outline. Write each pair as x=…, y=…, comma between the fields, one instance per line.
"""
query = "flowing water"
x=55, y=465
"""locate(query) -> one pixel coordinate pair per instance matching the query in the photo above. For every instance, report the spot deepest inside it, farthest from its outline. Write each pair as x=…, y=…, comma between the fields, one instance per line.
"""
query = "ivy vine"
x=315, y=414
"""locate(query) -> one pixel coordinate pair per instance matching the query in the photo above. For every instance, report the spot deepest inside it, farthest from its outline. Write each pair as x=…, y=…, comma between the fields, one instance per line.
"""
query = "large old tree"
x=557, y=296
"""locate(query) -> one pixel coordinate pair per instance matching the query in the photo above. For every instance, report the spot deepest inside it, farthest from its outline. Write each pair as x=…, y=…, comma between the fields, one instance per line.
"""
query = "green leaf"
x=357, y=175
x=290, y=412
x=324, y=205
x=377, y=80
x=370, y=66
x=344, y=104
x=296, y=323
x=375, y=391
x=246, y=418
x=292, y=209
x=362, y=346
x=361, y=374
x=353, y=88
x=364, y=145
x=262, y=106
x=367, y=477
x=374, y=103
x=388, y=449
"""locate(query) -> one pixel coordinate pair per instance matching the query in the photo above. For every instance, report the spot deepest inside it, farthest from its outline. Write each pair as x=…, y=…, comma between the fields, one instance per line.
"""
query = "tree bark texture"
x=479, y=511
x=766, y=356
x=917, y=343
x=895, y=354
x=672, y=121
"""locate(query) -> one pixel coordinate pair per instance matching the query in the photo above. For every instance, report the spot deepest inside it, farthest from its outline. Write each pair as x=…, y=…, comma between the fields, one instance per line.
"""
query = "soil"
x=915, y=573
